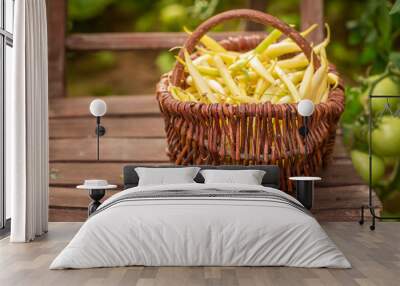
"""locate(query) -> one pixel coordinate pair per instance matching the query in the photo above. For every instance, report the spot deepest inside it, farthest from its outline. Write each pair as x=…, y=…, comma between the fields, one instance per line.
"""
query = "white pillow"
x=166, y=176
x=248, y=177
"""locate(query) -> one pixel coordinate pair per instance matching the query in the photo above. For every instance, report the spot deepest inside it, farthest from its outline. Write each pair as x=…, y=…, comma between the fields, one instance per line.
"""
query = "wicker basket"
x=248, y=134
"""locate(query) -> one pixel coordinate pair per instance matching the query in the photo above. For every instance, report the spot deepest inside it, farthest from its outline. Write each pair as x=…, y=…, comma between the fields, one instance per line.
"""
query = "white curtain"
x=27, y=124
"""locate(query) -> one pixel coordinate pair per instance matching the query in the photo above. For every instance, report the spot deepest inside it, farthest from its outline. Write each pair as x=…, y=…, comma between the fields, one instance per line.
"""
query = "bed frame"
x=271, y=177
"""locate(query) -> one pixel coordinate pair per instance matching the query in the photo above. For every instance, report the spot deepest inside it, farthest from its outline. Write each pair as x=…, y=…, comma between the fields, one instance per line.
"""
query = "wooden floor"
x=375, y=257
x=135, y=134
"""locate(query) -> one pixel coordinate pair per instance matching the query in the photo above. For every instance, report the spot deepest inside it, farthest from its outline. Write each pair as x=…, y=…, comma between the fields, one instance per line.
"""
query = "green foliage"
x=376, y=32
x=203, y=9
x=165, y=61
x=395, y=8
x=81, y=10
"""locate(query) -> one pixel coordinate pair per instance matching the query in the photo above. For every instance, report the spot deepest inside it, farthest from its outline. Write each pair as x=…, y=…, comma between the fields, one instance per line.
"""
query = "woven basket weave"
x=248, y=134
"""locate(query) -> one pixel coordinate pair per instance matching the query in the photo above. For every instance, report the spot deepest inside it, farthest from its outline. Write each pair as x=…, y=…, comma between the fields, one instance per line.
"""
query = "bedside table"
x=305, y=190
x=97, y=190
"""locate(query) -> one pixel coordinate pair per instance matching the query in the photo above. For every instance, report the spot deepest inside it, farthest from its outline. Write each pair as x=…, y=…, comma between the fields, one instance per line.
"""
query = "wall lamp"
x=98, y=108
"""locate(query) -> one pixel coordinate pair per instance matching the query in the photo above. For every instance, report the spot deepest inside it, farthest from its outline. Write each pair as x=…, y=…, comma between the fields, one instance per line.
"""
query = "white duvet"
x=200, y=231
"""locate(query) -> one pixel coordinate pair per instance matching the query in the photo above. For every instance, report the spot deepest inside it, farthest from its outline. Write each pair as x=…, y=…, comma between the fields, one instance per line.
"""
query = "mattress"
x=201, y=225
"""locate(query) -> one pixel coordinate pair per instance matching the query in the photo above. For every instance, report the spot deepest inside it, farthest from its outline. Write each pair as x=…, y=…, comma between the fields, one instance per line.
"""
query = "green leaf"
x=395, y=8
x=353, y=105
x=368, y=55
x=81, y=10
x=394, y=57
x=384, y=23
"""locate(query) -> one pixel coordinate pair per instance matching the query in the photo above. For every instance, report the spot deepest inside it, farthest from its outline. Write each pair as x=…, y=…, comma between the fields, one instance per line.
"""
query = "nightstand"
x=97, y=190
x=305, y=190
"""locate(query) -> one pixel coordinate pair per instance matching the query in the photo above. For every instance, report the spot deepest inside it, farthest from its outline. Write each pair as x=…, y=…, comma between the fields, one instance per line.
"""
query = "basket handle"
x=177, y=78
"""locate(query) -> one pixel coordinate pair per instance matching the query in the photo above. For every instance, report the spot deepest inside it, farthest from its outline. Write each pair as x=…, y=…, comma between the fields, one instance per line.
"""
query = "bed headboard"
x=271, y=177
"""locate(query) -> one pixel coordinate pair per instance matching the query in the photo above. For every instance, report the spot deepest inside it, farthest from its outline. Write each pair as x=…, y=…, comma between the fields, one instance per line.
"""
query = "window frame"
x=6, y=39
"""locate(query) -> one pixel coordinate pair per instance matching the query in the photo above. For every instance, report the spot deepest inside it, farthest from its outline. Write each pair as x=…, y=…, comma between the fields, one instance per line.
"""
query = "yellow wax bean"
x=258, y=67
x=243, y=87
x=203, y=59
x=226, y=76
x=191, y=89
x=281, y=48
x=180, y=60
x=319, y=78
x=198, y=80
x=185, y=96
x=289, y=84
x=309, y=30
x=285, y=99
x=266, y=97
x=297, y=62
x=175, y=95
x=322, y=88
x=325, y=96
x=270, y=39
x=333, y=79
x=212, y=44
x=325, y=42
x=249, y=75
x=209, y=71
x=245, y=99
x=189, y=80
x=208, y=42
x=241, y=62
x=304, y=33
x=306, y=84
x=261, y=86
x=297, y=76
x=275, y=99
x=216, y=86
x=227, y=58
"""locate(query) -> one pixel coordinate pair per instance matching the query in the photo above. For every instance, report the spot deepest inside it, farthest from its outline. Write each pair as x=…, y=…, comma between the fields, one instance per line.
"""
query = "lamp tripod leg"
x=361, y=221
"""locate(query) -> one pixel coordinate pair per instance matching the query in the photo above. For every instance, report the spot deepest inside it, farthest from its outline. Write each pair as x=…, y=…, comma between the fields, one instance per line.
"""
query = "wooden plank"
x=116, y=106
x=343, y=197
x=259, y=5
x=339, y=173
x=135, y=41
x=339, y=151
x=67, y=215
x=56, y=22
x=111, y=149
x=116, y=127
x=312, y=12
x=341, y=215
x=72, y=198
x=72, y=174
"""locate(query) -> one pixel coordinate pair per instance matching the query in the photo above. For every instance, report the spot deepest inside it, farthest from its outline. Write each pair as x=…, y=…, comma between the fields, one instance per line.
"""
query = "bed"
x=198, y=224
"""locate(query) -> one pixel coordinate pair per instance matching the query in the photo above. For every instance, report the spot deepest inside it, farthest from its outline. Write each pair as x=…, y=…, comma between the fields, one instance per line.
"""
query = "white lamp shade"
x=98, y=107
x=305, y=107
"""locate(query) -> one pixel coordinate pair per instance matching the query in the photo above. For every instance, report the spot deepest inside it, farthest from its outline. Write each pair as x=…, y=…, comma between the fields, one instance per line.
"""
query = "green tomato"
x=386, y=87
x=386, y=137
x=361, y=164
x=173, y=15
